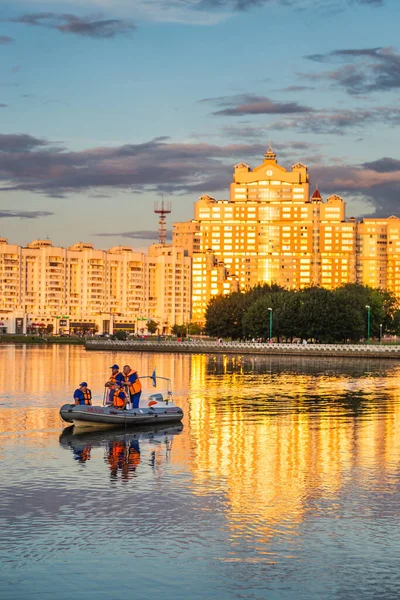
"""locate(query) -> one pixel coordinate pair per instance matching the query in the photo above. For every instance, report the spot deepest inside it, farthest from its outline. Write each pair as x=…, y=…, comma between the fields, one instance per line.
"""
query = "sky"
x=107, y=106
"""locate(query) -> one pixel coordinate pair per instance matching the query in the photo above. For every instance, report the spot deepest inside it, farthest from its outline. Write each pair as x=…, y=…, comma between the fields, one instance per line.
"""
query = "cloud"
x=379, y=189
x=36, y=165
x=367, y=69
x=29, y=163
x=24, y=214
x=136, y=235
x=248, y=104
x=5, y=39
x=10, y=143
x=83, y=26
x=340, y=121
x=297, y=88
x=383, y=165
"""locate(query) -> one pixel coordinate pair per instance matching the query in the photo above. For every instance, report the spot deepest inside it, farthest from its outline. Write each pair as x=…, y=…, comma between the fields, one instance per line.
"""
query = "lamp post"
x=380, y=333
x=270, y=324
x=367, y=306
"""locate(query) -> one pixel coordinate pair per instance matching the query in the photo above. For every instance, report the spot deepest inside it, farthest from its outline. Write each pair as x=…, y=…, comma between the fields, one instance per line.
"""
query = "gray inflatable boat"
x=155, y=409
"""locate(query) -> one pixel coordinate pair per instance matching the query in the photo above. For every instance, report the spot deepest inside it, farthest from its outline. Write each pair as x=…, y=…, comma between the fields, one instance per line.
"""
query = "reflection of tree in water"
x=220, y=364
x=276, y=385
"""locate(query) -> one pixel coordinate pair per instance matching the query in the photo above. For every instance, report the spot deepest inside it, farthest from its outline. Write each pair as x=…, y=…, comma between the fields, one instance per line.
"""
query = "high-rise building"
x=269, y=230
x=81, y=288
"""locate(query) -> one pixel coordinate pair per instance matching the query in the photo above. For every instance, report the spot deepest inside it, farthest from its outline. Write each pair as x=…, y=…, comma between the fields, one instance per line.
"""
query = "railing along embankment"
x=253, y=348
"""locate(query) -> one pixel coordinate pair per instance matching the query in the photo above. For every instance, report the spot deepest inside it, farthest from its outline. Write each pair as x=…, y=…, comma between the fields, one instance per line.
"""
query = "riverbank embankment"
x=39, y=340
x=252, y=348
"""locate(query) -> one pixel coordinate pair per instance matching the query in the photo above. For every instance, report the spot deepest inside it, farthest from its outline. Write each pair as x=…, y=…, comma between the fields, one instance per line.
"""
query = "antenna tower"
x=163, y=211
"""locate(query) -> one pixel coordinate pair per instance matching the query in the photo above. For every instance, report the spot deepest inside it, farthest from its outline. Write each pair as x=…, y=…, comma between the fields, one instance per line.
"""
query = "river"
x=283, y=482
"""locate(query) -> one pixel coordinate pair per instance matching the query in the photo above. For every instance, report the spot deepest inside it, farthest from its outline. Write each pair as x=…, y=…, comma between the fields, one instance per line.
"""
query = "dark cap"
x=115, y=367
x=82, y=384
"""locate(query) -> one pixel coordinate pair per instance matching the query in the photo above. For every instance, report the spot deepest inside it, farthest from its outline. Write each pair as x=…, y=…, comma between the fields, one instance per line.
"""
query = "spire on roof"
x=270, y=154
x=316, y=197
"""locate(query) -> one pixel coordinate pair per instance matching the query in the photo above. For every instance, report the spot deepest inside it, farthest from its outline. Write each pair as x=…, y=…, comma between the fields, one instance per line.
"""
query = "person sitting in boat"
x=130, y=379
x=82, y=394
x=119, y=398
x=110, y=383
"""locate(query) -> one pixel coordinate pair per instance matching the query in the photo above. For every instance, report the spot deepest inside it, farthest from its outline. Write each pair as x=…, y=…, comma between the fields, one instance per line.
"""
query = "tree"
x=195, y=329
x=152, y=326
x=179, y=330
x=120, y=334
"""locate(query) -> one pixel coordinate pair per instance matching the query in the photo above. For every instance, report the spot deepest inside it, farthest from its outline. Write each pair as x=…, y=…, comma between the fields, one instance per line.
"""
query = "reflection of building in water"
x=274, y=442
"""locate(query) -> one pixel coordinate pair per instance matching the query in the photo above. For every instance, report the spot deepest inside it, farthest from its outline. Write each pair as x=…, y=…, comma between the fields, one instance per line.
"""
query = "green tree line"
x=313, y=313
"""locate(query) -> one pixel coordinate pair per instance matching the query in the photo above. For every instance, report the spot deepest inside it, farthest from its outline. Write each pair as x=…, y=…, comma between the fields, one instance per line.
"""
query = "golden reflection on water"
x=278, y=441
x=272, y=436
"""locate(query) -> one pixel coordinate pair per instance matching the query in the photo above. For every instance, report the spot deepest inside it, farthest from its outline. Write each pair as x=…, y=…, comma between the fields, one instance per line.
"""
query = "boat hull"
x=107, y=417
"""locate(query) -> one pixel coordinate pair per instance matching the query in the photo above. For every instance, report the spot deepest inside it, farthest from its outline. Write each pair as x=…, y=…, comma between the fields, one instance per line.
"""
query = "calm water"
x=283, y=482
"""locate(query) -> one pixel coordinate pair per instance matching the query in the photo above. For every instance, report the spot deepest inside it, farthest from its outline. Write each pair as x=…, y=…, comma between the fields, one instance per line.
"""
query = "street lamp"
x=380, y=333
x=367, y=306
x=270, y=324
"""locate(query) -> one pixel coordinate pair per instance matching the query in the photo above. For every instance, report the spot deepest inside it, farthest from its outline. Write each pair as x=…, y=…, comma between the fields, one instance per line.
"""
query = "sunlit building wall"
x=269, y=230
x=84, y=288
x=168, y=285
x=372, y=245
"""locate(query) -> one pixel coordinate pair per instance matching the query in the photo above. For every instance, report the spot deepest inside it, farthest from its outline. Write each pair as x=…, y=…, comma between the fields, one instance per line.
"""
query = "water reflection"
x=285, y=473
x=285, y=439
x=121, y=448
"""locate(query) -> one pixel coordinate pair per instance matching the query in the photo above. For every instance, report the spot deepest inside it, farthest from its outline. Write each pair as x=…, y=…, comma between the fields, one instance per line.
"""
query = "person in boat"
x=82, y=394
x=130, y=379
x=110, y=383
x=113, y=376
x=119, y=397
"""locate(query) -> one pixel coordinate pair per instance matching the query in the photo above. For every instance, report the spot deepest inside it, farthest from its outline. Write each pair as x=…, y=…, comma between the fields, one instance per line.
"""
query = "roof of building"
x=316, y=195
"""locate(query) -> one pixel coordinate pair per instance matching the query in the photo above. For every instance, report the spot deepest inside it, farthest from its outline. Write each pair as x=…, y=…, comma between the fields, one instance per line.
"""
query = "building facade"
x=83, y=289
x=271, y=231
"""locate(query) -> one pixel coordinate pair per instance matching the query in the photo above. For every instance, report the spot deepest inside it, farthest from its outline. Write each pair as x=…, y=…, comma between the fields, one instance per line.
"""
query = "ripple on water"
x=283, y=482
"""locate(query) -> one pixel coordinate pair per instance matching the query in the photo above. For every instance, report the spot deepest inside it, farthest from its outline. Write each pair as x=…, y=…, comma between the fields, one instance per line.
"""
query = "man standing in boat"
x=130, y=379
x=82, y=394
x=109, y=384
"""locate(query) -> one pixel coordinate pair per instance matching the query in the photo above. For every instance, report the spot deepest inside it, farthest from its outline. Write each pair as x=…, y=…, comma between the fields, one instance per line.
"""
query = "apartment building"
x=270, y=230
x=81, y=288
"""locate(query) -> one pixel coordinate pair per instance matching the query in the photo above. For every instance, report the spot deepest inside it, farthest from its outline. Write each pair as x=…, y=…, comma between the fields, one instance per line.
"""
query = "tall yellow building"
x=270, y=230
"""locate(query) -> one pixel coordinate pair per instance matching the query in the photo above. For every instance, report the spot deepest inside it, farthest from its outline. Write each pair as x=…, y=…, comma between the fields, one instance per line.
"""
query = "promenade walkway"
x=252, y=348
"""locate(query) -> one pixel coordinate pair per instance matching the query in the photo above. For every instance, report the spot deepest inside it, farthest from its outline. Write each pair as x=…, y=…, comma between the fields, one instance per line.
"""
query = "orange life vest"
x=136, y=387
x=113, y=379
x=88, y=396
x=117, y=401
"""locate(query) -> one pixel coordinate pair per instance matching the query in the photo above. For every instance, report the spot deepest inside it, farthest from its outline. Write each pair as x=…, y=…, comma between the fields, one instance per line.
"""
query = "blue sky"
x=106, y=105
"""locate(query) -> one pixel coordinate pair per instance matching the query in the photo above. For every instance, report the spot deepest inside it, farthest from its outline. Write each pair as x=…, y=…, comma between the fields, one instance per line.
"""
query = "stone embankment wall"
x=210, y=347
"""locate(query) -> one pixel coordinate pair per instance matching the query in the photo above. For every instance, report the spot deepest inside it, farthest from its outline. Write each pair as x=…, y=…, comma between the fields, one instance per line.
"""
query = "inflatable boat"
x=157, y=408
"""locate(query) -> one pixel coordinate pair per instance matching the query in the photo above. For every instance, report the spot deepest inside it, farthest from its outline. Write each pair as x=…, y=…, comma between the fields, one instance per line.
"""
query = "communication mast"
x=163, y=211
